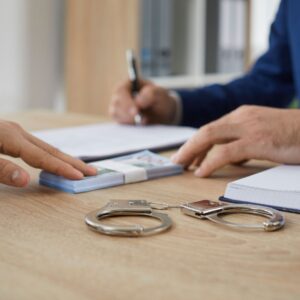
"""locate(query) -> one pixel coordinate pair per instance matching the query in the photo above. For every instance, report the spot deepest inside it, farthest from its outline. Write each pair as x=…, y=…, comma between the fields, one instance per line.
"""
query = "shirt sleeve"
x=269, y=83
x=178, y=107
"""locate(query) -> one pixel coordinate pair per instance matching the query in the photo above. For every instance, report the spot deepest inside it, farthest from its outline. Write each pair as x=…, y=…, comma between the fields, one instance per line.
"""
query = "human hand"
x=154, y=103
x=16, y=142
x=249, y=132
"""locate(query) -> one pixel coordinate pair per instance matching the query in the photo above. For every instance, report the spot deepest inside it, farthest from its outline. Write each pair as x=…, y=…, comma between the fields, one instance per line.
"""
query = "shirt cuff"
x=178, y=108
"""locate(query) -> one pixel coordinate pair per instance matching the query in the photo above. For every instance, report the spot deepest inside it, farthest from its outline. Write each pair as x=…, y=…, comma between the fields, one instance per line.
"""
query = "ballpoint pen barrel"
x=133, y=76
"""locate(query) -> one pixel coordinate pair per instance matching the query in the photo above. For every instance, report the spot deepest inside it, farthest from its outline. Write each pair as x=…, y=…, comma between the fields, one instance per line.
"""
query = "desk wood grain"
x=47, y=252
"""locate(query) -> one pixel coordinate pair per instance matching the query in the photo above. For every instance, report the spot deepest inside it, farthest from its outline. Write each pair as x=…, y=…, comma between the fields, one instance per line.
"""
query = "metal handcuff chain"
x=204, y=209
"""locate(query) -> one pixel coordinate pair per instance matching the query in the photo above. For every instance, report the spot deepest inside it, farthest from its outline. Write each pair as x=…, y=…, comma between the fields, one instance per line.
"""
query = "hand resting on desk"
x=16, y=142
x=249, y=132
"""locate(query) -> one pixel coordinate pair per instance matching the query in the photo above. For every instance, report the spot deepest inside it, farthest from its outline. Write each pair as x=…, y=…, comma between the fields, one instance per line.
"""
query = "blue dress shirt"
x=273, y=81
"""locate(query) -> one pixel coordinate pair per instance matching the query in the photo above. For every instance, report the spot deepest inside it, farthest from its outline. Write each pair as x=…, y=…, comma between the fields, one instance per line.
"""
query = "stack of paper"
x=136, y=167
x=107, y=140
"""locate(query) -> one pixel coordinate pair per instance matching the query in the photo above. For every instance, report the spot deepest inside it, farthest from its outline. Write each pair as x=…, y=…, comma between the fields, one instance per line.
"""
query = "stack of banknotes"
x=131, y=168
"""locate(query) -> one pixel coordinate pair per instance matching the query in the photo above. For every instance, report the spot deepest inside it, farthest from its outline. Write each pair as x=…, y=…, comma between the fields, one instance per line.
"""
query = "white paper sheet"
x=283, y=178
x=108, y=140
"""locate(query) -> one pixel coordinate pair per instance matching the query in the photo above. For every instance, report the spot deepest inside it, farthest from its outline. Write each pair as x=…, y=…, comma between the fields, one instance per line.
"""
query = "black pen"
x=133, y=76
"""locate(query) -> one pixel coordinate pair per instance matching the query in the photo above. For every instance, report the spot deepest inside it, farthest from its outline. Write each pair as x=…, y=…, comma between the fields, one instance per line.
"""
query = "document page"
x=278, y=187
x=109, y=139
x=282, y=178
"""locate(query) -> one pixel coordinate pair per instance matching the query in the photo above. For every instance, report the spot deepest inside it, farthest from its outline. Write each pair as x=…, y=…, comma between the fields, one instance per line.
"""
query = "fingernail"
x=15, y=176
x=92, y=170
x=19, y=179
x=133, y=111
x=199, y=172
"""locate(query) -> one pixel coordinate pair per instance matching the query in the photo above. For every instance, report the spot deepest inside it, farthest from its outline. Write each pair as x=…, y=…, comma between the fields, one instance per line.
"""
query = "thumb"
x=12, y=174
x=147, y=97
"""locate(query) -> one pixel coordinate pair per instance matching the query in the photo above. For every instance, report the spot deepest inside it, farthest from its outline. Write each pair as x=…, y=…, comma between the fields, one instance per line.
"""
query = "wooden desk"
x=47, y=252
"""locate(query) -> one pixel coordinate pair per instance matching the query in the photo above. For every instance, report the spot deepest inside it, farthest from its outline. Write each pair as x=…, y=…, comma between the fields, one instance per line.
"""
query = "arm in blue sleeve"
x=269, y=83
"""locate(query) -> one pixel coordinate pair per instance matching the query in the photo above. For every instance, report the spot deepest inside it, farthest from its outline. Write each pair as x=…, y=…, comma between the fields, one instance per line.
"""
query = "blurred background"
x=31, y=54
x=68, y=55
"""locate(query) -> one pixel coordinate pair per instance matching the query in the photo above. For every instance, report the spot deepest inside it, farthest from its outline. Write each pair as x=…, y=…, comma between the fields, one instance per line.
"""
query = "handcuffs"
x=204, y=209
